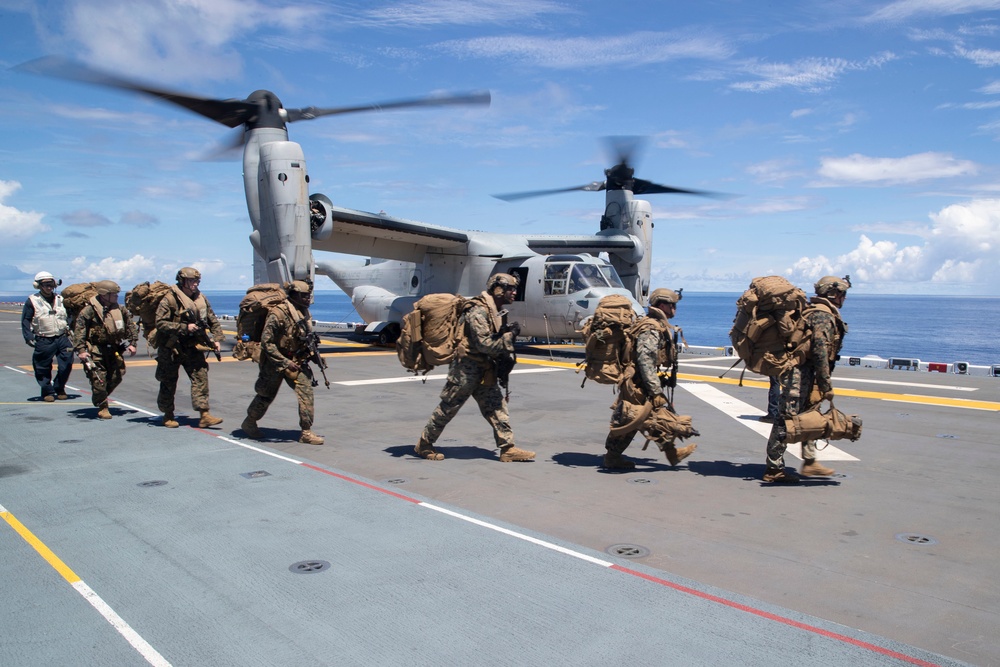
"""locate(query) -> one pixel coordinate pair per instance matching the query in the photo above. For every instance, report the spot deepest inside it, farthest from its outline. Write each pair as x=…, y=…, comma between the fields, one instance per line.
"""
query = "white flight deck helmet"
x=45, y=275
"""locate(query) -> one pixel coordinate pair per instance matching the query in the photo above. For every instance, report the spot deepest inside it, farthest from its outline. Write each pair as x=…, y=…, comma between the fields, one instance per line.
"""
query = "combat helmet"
x=501, y=280
x=299, y=291
x=107, y=287
x=662, y=294
x=188, y=273
x=828, y=284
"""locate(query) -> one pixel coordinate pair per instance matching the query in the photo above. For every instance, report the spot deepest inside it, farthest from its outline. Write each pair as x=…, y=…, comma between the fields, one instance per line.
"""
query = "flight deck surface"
x=128, y=543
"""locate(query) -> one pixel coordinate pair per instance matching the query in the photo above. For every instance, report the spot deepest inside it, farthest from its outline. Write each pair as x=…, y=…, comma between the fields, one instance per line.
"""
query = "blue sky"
x=857, y=137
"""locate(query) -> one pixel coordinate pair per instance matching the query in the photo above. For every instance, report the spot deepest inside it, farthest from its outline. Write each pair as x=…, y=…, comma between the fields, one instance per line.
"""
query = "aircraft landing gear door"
x=414, y=283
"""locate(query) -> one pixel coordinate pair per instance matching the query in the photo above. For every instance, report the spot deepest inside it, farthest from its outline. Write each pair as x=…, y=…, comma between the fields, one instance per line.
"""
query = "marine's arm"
x=80, y=329
x=213, y=323
x=167, y=319
x=646, y=348
x=823, y=342
x=481, y=337
x=274, y=326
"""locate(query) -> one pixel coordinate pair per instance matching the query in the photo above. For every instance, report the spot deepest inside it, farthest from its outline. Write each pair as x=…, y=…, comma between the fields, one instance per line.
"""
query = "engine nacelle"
x=320, y=221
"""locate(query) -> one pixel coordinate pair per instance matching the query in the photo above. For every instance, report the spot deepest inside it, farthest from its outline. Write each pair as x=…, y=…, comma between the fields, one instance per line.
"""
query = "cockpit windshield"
x=574, y=277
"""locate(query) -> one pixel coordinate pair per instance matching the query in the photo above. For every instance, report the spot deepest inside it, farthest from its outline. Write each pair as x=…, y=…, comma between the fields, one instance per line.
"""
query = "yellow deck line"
x=944, y=401
x=40, y=547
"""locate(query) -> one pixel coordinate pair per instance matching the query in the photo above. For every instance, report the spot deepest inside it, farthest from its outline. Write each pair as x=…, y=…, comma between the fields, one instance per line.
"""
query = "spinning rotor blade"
x=308, y=113
x=596, y=186
x=621, y=176
x=231, y=113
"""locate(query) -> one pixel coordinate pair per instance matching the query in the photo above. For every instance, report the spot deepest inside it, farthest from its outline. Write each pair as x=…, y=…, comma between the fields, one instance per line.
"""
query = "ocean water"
x=941, y=329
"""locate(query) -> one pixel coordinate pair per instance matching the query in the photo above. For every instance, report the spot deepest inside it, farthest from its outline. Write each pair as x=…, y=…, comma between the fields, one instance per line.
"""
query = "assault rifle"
x=310, y=347
x=202, y=334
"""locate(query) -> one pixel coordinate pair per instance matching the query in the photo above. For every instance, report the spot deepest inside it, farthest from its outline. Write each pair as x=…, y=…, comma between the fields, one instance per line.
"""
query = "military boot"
x=103, y=412
x=426, y=451
x=169, y=421
x=310, y=438
x=616, y=461
x=675, y=455
x=249, y=426
x=512, y=453
x=208, y=420
x=780, y=476
x=811, y=468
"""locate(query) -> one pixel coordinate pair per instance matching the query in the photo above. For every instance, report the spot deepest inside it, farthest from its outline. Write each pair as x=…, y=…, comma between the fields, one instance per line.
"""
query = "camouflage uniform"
x=654, y=347
x=828, y=331
x=98, y=334
x=178, y=349
x=474, y=375
x=280, y=345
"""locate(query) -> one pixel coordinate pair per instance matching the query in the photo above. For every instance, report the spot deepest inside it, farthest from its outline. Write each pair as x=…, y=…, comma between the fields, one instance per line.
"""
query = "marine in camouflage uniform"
x=798, y=383
x=101, y=334
x=475, y=374
x=282, y=354
x=182, y=345
x=654, y=348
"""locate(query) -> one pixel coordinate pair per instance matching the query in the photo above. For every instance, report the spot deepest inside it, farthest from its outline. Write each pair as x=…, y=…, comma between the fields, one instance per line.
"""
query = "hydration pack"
x=254, y=307
x=75, y=297
x=432, y=333
x=607, y=340
x=142, y=302
x=769, y=331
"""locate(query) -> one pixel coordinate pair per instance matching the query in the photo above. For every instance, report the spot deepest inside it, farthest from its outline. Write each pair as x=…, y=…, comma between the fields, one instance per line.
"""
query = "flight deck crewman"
x=102, y=332
x=642, y=404
x=45, y=327
x=798, y=382
x=475, y=374
x=282, y=354
x=186, y=327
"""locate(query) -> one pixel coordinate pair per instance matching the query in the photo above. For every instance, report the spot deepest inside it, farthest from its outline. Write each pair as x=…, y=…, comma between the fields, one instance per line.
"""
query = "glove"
x=514, y=328
x=659, y=401
x=292, y=367
x=31, y=343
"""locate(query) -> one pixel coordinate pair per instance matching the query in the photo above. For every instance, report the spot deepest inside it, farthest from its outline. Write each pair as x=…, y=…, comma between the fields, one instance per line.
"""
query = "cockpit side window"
x=612, y=275
x=556, y=276
x=585, y=276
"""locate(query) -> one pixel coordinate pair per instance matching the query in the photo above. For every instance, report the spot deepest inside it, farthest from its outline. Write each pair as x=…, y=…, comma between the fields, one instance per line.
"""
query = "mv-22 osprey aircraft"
x=562, y=277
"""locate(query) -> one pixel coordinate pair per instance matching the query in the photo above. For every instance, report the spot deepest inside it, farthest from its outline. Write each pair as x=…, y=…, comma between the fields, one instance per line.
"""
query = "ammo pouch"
x=815, y=425
x=244, y=350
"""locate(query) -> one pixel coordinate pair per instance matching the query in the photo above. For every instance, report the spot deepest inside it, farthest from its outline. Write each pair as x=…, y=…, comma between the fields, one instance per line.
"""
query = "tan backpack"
x=769, y=331
x=254, y=307
x=75, y=297
x=432, y=333
x=607, y=339
x=142, y=301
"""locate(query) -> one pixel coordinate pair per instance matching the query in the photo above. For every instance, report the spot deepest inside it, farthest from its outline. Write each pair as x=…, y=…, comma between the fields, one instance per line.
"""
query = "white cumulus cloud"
x=17, y=226
x=962, y=249
x=125, y=272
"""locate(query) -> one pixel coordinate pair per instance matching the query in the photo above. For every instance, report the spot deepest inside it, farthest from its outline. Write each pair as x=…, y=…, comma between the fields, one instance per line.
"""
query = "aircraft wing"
x=593, y=244
x=380, y=235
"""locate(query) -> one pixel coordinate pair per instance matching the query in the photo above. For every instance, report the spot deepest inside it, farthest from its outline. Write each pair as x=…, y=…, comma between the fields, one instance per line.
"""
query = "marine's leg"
x=167, y=369
x=615, y=445
x=197, y=369
x=789, y=406
x=266, y=388
x=493, y=407
x=98, y=381
x=307, y=412
x=456, y=392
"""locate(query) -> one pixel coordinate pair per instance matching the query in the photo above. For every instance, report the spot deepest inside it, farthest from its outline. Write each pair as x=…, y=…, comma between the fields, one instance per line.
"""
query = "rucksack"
x=142, y=301
x=769, y=331
x=607, y=340
x=432, y=333
x=254, y=307
x=75, y=297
